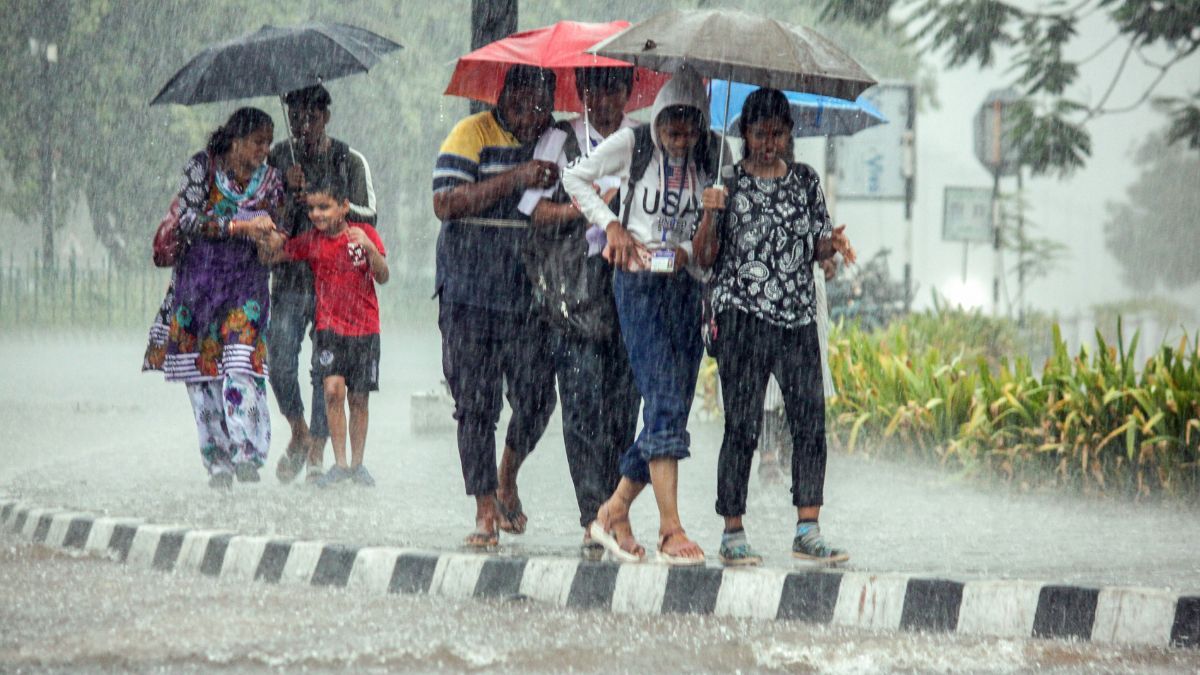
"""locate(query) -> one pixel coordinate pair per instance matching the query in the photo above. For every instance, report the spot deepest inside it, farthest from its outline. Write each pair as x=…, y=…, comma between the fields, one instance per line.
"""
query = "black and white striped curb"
x=843, y=598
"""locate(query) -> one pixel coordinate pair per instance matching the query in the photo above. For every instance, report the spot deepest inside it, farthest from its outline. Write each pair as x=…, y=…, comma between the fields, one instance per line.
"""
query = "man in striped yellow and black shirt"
x=488, y=335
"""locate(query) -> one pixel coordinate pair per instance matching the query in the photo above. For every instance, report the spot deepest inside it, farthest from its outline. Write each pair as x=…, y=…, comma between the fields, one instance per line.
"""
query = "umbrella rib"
x=362, y=62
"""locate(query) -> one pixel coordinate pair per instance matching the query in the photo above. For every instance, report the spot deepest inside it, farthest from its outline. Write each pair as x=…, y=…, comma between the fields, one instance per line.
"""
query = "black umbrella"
x=274, y=61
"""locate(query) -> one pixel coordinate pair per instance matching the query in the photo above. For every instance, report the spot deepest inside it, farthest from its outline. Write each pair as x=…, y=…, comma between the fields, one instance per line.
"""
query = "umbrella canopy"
x=813, y=114
x=274, y=61
x=560, y=47
x=742, y=47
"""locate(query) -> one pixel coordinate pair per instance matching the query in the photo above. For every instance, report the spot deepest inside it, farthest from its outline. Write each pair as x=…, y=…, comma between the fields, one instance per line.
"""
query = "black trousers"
x=749, y=351
x=599, y=414
x=487, y=354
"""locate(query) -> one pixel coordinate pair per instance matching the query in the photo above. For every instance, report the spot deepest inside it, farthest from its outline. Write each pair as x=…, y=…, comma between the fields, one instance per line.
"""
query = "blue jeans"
x=660, y=322
x=291, y=314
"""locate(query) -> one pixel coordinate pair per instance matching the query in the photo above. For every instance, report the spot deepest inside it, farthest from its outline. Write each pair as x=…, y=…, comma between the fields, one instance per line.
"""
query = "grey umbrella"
x=274, y=61
x=740, y=47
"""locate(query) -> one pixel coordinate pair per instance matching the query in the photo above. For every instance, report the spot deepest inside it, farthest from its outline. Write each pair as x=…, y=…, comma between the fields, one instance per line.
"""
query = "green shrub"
x=939, y=386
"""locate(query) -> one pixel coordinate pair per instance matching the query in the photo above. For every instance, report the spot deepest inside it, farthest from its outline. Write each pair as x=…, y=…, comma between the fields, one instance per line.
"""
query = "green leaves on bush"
x=1093, y=421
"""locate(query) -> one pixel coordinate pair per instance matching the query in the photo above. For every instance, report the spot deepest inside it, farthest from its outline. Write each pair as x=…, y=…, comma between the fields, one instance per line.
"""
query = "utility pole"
x=45, y=51
x=909, y=169
x=491, y=20
x=996, y=149
x=997, y=241
x=1020, y=249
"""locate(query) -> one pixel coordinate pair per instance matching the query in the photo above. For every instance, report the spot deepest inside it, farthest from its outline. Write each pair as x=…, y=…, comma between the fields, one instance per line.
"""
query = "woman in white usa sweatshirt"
x=657, y=295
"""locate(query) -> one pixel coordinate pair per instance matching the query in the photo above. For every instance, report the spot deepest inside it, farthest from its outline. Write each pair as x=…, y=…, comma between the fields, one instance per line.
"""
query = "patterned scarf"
x=230, y=199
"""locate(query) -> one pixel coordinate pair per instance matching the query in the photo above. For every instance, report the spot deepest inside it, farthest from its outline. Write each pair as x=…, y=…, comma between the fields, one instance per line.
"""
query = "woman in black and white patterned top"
x=761, y=236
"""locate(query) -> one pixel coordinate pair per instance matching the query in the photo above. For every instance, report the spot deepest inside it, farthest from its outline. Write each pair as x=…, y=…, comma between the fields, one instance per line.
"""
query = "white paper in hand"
x=549, y=148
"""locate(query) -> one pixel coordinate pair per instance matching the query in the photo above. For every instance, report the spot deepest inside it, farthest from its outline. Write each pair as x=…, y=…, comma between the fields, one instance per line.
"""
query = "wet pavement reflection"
x=88, y=432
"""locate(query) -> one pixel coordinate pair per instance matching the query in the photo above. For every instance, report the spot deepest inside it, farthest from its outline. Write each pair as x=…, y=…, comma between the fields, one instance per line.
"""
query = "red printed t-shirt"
x=346, y=302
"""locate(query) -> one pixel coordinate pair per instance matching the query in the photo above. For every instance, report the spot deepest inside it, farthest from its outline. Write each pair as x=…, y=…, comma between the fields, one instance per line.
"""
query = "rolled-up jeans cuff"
x=633, y=467
x=672, y=445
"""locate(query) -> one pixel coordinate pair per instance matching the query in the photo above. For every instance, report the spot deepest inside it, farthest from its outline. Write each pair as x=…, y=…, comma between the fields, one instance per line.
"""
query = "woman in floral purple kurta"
x=210, y=335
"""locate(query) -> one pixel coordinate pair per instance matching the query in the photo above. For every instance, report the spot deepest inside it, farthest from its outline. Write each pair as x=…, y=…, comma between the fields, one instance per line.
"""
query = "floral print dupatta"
x=212, y=320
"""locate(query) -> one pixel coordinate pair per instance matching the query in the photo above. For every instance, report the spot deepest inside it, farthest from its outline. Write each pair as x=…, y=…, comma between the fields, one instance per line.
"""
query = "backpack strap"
x=571, y=148
x=706, y=153
x=341, y=154
x=643, y=151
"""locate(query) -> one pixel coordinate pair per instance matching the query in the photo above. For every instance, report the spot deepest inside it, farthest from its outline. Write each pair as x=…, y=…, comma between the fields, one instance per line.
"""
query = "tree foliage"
x=1053, y=127
x=1153, y=233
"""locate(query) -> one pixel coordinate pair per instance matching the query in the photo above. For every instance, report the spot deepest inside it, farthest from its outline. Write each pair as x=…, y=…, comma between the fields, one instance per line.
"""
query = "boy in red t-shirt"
x=347, y=260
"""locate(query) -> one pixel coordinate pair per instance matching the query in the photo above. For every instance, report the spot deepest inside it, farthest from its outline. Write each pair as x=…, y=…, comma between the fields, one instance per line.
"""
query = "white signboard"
x=870, y=164
x=967, y=215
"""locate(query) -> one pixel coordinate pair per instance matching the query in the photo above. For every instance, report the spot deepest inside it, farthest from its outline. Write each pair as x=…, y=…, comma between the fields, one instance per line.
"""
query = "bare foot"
x=485, y=535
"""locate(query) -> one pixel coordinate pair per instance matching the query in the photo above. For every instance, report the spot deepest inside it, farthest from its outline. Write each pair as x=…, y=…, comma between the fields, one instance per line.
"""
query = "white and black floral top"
x=768, y=236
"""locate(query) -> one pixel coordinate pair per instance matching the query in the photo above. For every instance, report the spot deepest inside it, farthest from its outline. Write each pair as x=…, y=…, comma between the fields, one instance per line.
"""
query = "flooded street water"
x=66, y=614
x=88, y=432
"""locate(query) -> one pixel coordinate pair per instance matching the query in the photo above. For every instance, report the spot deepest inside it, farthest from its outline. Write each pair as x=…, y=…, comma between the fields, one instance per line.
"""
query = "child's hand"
x=357, y=236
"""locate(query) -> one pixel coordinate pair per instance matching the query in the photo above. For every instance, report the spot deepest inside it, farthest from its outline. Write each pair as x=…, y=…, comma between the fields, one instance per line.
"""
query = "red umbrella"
x=559, y=47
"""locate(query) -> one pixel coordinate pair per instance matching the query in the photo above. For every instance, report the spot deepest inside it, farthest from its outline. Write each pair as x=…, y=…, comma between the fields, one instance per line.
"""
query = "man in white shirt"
x=599, y=397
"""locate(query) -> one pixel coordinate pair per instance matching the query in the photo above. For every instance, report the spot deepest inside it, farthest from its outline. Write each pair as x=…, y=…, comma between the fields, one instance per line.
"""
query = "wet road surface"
x=63, y=613
x=86, y=431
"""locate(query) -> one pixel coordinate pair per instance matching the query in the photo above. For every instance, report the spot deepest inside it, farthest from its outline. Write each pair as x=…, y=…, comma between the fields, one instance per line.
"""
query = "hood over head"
x=684, y=88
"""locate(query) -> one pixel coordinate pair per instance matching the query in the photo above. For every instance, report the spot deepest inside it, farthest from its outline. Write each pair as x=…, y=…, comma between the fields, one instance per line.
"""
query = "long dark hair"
x=764, y=104
x=242, y=123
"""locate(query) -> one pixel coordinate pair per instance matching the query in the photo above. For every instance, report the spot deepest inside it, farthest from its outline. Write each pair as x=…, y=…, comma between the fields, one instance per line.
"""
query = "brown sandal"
x=679, y=556
x=510, y=520
x=482, y=541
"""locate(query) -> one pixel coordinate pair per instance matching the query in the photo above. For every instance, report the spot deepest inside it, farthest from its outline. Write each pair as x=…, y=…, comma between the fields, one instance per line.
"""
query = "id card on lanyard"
x=663, y=259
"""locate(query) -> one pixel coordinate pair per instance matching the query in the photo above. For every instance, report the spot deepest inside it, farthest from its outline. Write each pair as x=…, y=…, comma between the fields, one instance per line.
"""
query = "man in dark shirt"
x=311, y=158
x=488, y=335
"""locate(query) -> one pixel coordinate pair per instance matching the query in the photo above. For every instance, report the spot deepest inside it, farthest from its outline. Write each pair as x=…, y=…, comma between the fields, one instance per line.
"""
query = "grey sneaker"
x=335, y=475
x=314, y=473
x=736, y=551
x=361, y=476
x=221, y=481
x=246, y=472
x=289, y=467
x=810, y=545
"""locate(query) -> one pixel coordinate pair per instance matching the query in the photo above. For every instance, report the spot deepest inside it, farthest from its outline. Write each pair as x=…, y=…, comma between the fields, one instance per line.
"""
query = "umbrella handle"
x=286, y=125
x=724, y=131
